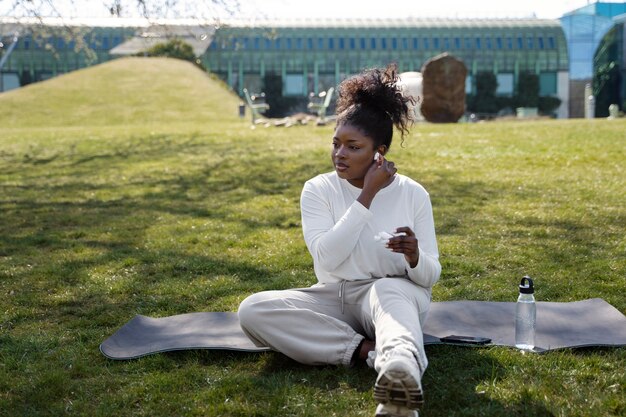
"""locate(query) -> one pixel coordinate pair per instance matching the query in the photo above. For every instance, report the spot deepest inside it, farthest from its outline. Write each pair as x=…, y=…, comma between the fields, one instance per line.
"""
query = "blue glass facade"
x=584, y=29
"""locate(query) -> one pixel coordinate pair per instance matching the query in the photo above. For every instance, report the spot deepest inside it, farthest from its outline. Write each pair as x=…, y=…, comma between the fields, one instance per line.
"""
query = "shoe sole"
x=384, y=410
x=399, y=388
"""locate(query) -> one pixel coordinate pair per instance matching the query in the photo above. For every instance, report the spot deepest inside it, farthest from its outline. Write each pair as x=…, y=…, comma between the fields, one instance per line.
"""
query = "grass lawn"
x=105, y=216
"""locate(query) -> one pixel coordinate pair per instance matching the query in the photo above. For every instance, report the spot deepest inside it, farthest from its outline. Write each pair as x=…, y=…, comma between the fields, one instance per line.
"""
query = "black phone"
x=467, y=340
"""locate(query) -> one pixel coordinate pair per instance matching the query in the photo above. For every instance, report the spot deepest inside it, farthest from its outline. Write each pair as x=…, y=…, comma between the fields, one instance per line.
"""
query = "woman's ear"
x=382, y=149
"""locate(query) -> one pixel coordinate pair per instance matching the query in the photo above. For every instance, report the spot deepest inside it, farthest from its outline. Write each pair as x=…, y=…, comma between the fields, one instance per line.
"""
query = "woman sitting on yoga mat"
x=371, y=233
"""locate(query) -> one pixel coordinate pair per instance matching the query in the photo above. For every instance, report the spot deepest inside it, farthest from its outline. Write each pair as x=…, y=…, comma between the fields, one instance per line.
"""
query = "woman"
x=372, y=237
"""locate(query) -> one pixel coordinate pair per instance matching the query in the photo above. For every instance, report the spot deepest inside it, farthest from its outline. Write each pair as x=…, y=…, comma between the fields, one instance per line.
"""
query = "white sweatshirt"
x=339, y=231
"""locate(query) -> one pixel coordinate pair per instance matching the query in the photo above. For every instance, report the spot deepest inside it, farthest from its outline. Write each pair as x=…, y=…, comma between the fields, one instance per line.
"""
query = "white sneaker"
x=390, y=410
x=399, y=383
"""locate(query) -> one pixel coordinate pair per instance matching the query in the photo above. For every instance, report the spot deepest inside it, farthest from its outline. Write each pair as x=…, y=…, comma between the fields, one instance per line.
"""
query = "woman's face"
x=352, y=154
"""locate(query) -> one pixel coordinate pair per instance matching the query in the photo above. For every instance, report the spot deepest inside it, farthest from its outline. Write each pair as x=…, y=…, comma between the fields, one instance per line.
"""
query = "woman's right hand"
x=379, y=175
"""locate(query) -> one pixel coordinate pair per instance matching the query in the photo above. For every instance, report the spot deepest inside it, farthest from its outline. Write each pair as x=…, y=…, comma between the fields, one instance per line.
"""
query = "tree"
x=280, y=106
x=204, y=11
x=484, y=101
x=527, y=90
x=149, y=9
x=174, y=48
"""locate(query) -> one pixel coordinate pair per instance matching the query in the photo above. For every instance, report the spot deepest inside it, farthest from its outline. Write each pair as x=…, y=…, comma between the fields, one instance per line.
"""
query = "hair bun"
x=376, y=89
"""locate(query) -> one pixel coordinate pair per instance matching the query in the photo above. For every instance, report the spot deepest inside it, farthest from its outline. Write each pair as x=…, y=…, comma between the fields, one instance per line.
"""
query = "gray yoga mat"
x=591, y=322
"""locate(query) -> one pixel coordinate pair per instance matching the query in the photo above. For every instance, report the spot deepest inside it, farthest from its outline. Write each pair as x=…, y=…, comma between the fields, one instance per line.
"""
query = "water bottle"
x=525, y=316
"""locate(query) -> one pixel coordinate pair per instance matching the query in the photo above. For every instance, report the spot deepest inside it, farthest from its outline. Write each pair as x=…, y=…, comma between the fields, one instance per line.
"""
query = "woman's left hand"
x=406, y=245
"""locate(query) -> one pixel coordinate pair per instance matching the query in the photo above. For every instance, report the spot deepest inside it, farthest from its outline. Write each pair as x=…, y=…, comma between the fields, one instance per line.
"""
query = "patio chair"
x=255, y=107
x=321, y=105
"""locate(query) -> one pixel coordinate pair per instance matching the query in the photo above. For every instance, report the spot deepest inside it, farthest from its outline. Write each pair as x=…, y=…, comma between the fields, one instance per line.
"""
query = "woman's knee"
x=255, y=307
x=398, y=289
x=249, y=310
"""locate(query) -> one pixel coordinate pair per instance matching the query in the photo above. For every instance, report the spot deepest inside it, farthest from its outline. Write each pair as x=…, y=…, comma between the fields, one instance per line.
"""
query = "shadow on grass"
x=455, y=201
x=458, y=382
x=76, y=267
x=461, y=381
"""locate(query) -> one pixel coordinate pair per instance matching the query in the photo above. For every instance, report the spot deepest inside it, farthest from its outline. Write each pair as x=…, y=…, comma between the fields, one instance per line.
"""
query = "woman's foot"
x=399, y=384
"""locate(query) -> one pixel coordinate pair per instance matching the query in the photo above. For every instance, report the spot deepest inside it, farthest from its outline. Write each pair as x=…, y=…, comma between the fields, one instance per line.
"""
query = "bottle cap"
x=526, y=285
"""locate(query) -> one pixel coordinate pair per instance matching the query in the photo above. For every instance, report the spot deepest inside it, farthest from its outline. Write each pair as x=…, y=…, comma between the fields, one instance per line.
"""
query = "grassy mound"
x=128, y=91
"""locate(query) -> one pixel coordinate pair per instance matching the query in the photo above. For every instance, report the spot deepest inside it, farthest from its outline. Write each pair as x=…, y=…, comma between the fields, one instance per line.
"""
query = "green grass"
x=155, y=209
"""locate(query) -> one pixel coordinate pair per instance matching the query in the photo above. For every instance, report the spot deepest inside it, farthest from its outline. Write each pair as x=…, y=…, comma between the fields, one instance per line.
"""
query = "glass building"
x=584, y=30
x=609, y=67
x=313, y=55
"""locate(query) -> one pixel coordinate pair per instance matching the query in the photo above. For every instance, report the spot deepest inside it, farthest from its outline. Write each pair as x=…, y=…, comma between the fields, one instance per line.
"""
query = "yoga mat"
x=591, y=322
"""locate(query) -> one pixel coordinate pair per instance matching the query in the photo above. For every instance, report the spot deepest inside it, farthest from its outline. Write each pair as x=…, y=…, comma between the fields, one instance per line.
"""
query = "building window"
x=499, y=43
x=320, y=43
x=294, y=84
x=416, y=43
x=505, y=84
x=551, y=44
x=405, y=43
x=547, y=84
x=509, y=42
x=540, y=42
x=268, y=43
x=288, y=41
x=488, y=43
x=426, y=43
x=530, y=42
x=245, y=43
x=457, y=43
x=373, y=43
x=352, y=43
x=331, y=43
x=468, y=84
x=446, y=44
x=257, y=43
x=383, y=43
x=27, y=42
x=363, y=43
x=309, y=43
x=298, y=43
x=478, y=45
x=342, y=43
x=277, y=44
x=435, y=43
x=468, y=43
x=394, y=43
x=520, y=42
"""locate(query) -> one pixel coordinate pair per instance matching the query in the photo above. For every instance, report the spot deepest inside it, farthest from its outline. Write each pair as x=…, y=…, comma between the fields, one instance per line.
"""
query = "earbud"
x=376, y=156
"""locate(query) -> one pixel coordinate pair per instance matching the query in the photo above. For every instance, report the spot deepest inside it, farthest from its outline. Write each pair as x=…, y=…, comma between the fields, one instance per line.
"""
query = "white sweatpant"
x=325, y=323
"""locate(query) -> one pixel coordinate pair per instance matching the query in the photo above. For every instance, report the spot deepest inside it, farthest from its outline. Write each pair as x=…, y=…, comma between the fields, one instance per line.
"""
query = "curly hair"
x=373, y=102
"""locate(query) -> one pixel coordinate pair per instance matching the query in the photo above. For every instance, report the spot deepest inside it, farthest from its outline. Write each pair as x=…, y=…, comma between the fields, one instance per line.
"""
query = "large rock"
x=443, y=89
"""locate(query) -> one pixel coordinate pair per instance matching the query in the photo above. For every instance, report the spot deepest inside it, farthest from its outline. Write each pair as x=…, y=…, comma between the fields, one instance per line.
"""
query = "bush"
x=548, y=104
